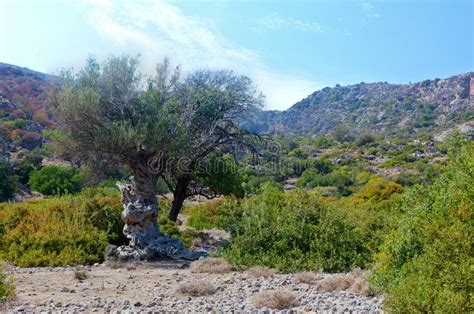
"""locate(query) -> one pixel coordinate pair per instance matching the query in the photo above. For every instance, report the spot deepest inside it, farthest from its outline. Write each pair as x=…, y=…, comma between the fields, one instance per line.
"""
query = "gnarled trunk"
x=140, y=207
x=140, y=210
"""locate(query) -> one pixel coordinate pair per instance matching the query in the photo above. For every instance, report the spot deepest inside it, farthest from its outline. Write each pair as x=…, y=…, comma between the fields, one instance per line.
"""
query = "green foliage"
x=298, y=153
x=220, y=174
x=373, y=209
x=252, y=180
x=67, y=230
x=293, y=231
x=54, y=180
x=312, y=178
x=425, y=264
x=322, y=142
x=379, y=189
x=364, y=139
x=7, y=288
x=19, y=124
x=215, y=214
x=342, y=134
x=7, y=181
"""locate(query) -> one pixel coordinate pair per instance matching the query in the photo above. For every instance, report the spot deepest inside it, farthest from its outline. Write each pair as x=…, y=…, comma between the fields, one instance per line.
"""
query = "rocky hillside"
x=429, y=106
x=24, y=108
x=432, y=106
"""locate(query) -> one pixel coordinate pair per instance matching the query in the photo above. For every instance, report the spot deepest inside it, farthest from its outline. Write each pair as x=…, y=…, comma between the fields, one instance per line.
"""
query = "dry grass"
x=354, y=281
x=197, y=288
x=211, y=266
x=80, y=274
x=259, y=272
x=335, y=283
x=361, y=287
x=308, y=277
x=274, y=299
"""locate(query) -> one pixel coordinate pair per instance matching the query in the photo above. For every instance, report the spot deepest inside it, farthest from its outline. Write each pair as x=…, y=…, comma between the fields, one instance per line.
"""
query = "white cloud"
x=369, y=9
x=156, y=29
x=283, y=90
x=276, y=22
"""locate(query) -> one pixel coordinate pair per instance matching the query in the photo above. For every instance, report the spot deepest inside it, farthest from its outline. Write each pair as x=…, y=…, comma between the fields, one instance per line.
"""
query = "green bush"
x=364, y=139
x=7, y=181
x=54, y=180
x=425, y=264
x=215, y=214
x=312, y=178
x=293, y=231
x=7, y=288
x=59, y=231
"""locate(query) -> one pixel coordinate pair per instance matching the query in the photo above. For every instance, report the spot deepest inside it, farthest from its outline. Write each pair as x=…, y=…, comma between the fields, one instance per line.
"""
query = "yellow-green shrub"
x=425, y=264
x=65, y=230
x=213, y=214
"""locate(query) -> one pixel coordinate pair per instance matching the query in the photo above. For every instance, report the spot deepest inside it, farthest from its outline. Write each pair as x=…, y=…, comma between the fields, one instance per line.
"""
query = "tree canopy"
x=162, y=125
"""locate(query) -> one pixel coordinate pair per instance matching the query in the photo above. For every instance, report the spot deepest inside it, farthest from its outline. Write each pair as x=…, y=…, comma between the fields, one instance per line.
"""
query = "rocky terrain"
x=25, y=110
x=171, y=286
x=431, y=105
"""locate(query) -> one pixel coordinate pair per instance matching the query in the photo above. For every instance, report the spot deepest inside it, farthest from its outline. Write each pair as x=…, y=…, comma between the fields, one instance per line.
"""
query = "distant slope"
x=24, y=108
x=428, y=106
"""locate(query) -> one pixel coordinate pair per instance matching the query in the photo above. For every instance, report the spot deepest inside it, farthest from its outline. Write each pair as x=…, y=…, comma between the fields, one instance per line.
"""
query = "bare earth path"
x=153, y=287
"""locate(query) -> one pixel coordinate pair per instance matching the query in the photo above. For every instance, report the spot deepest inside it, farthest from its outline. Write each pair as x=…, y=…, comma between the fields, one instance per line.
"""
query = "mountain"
x=431, y=106
x=383, y=108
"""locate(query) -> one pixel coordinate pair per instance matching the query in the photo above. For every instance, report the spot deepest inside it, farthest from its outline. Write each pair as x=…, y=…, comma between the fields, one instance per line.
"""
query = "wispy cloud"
x=370, y=9
x=156, y=29
x=276, y=22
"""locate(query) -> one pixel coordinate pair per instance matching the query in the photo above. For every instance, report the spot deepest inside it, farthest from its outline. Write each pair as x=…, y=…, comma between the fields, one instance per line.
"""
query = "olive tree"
x=109, y=115
x=213, y=102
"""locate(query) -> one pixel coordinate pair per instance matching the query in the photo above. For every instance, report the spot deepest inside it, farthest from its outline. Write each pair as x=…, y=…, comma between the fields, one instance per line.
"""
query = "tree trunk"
x=179, y=195
x=140, y=208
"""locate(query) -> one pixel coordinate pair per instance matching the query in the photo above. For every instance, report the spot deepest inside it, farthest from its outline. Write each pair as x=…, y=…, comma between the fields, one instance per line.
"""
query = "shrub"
x=211, y=266
x=197, y=288
x=54, y=180
x=214, y=214
x=425, y=264
x=298, y=153
x=379, y=189
x=7, y=181
x=19, y=124
x=322, y=142
x=67, y=230
x=364, y=139
x=7, y=288
x=354, y=281
x=80, y=274
x=306, y=277
x=274, y=299
x=293, y=231
x=313, y=178
x=260, y=272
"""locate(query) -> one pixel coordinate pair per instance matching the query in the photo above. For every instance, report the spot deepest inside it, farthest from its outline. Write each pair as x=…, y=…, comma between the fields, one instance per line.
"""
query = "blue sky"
x=289, y=48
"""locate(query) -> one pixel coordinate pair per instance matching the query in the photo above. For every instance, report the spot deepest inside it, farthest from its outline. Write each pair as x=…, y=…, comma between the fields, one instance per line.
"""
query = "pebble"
x=155, y=290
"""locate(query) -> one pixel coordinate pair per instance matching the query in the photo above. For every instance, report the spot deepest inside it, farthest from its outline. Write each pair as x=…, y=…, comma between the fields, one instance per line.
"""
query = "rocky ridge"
x=431, y=105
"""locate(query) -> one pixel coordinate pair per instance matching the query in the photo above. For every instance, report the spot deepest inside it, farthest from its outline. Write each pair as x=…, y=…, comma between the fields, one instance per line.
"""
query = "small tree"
x=212, y=102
